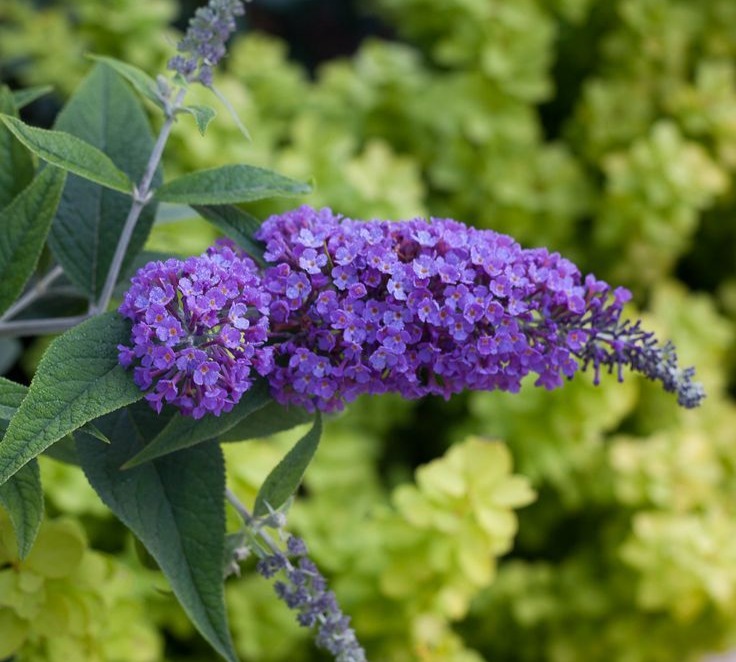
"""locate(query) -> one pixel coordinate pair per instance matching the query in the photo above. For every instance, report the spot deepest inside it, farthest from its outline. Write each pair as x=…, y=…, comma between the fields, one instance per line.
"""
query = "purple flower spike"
x=436, y=307
x=305, y=591
x=203, y=45
x=199, y=330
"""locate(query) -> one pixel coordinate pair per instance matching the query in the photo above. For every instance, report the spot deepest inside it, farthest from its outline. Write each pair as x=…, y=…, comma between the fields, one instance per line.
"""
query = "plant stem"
x=141, y=197
x=251, y=522
x=36, y=292
x=40, y=326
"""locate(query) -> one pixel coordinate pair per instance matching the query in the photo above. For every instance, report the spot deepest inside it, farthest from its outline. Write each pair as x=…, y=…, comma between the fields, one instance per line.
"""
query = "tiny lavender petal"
x=185, y=348
x=436, y=307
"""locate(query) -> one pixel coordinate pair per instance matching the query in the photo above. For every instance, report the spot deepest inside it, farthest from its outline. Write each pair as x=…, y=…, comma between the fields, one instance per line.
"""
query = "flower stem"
x=141, y=198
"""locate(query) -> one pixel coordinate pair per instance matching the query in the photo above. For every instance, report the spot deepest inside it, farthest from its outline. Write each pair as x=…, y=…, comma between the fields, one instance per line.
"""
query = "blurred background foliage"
x=604, y=129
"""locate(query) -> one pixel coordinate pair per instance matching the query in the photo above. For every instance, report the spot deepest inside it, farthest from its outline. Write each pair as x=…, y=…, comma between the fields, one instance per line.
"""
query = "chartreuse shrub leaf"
x=175, y=506
x=24, y=224
x=22, y=495
x=138, y=78
x=285, y=477
x=236, y=224
x=28, y=95
x=70, y=153
x=228, y=184
x=105, y=113
x=266, y=421
x=17, y=167
x=203, y=115
x=184, y=431
x=78, y=379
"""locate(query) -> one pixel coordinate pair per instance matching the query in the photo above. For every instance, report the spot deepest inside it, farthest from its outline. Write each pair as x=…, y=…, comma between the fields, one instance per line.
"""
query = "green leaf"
x=266, y=421
x=231, y=183
x=105, y=113
x=175, y=506
x=11, y=395
x=23, y=97
x=203, y=115
x=64, y=451
x=10, y=351
x=285, y=477
x=22, y=497
x=231, y=110
x=24, y=224
x=184, y=431
x=78, y=379
x=138, y=78
x=236, y=224
x=17, y=167
x=70, y=153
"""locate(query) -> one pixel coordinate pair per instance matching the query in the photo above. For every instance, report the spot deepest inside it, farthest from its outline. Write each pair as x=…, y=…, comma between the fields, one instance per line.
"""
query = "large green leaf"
x=24, y=224
x=78, y=379
x=103, y=112
x=236, y=224
x=138, y=78
x=285, y=477
x=16, y=171
x=228, y=184
x=266, y=421
x=184, y=431
x=22, y=495
x=175, y=506
x=70, y=153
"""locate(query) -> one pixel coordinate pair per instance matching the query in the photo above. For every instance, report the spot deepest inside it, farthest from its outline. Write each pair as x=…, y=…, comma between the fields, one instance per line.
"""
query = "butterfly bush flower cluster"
x=347, y=307
x=436, y=307
x=199, y=332
x=203, y=45
x=305, y=591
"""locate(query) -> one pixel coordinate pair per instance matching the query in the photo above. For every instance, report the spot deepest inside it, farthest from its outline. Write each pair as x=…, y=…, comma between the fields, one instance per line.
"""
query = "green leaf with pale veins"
x=22, y=495
x=266, y=421
x=69, y=153
x=139, y=79
x=229, y=184
x=28, y=95
x=285, y=477
x=16, y=171
x=175, y=507
x=203, y=115
x=185, y=431
x=105, y=113
x=24, y=224
x=236, y=224
x=78, y=379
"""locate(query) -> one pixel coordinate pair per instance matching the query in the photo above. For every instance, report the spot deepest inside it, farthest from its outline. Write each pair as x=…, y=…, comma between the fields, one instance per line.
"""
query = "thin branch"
x=141, y=197
x=36, y=327
x=35, y=293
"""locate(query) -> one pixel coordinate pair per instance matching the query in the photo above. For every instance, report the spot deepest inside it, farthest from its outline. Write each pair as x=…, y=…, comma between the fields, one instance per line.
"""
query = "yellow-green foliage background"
x=605, y=129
